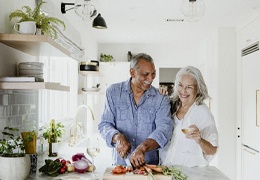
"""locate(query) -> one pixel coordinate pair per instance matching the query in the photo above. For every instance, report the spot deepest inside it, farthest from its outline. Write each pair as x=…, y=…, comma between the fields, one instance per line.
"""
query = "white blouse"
x=186, y=152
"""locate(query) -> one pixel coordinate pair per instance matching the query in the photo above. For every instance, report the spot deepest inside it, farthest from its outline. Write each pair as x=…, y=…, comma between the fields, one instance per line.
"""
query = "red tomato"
x=65, y=167
x=119, y=170
x=62, y=170
x=63, y=161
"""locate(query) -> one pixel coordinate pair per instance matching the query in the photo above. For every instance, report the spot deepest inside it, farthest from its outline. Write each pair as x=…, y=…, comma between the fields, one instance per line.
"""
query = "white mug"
x=26, y=27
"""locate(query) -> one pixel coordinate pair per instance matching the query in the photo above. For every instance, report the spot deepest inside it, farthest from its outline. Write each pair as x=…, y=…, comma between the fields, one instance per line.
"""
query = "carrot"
x=150, y=172
x=147, y=169
x=151, y=165
x=156, y=169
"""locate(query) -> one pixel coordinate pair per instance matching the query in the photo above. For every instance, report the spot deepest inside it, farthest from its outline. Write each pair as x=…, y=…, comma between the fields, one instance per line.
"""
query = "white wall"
x=227, y=101
x=174, y=55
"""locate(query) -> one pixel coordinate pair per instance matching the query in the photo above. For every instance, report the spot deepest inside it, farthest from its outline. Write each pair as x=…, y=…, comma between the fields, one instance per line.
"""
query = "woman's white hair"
x=202, y=90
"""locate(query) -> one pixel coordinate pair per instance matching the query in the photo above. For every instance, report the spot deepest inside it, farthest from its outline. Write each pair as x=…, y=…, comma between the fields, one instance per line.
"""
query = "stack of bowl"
x=31, y=69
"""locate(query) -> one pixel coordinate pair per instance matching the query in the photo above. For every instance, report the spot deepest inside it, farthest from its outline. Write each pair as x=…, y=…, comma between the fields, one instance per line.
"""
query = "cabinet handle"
x=249, y=151
x=256, y=121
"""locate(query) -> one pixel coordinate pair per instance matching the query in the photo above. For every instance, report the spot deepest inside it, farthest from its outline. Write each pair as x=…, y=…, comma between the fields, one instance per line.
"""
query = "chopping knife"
x=127, y=161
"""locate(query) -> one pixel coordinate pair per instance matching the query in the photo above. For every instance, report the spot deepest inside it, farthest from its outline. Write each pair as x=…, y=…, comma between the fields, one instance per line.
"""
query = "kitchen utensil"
x=39, y=64
x=127, y=161
x=30, y=71
x=89, y=66
x=91, y=89
x=28, y=66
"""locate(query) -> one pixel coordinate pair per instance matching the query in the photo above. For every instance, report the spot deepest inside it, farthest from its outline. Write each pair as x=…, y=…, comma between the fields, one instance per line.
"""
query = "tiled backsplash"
x=19, y=108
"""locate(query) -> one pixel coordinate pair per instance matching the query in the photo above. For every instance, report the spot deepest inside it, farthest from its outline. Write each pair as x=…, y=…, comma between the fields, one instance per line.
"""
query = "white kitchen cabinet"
x=251, y=164
x=249, y=108
x=251, y=100
x=249, y=34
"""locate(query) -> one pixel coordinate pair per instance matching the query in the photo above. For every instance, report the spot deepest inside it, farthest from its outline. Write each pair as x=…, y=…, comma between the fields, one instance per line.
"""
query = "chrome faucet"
x=76, y=130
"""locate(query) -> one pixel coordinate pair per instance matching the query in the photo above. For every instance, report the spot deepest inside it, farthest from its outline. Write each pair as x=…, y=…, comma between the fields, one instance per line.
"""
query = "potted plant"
x=12, y=157
x=29, y=141
x=43, y=22
x=53, y=133
x=106, y=57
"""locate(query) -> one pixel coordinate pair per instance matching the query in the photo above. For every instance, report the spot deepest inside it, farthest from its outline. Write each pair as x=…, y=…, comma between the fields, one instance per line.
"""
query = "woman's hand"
x=163, y=90
x=195, y=134
x=206, y=146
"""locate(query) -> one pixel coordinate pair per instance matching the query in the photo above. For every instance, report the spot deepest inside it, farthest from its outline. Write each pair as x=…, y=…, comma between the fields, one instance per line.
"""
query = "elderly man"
x=136, y=120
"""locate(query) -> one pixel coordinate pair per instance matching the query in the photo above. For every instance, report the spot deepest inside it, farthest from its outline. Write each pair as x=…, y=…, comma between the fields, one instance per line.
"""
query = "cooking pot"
x=89, y=66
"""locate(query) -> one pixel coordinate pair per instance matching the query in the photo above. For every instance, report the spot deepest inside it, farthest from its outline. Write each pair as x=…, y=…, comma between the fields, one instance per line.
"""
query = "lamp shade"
x=193, y=10
x=99, y=22
x=84, y=9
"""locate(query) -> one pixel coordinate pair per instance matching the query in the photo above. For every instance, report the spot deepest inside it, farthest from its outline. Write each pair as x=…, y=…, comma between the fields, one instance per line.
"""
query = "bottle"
x=53, y=142
x=129, y=56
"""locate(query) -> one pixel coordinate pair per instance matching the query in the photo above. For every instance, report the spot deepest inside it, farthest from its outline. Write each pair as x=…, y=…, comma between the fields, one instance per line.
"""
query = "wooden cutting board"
x=130, y=176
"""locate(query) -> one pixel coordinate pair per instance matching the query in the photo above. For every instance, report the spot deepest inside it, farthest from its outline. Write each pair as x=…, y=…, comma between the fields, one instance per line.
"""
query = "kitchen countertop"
x=196, y=173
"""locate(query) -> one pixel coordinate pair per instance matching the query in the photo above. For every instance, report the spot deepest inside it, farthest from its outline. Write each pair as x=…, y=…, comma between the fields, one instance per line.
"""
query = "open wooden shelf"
x=88, y=92
x=34, y=85
x=36, y=45
x=87, y=73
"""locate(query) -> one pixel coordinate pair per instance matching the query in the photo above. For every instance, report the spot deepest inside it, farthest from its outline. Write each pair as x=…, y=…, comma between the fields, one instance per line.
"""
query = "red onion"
x=78, y=156
x=81, y=166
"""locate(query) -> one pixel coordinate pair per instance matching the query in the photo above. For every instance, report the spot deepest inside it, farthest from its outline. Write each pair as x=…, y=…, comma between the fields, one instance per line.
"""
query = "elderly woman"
x=195, y=138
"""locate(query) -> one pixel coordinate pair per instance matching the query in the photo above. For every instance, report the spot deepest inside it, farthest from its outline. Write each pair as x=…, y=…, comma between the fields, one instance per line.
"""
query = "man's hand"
x=137, y=158
x=123, y=147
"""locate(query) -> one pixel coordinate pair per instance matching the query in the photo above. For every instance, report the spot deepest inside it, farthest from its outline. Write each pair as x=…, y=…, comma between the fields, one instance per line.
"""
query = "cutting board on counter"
x=130, y=176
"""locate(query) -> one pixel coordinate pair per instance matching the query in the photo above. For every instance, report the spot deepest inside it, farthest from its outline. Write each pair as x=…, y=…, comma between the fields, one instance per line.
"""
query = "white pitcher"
x=26, y=27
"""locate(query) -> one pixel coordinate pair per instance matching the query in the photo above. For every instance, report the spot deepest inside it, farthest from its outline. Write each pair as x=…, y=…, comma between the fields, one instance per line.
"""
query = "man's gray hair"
x=135, y=59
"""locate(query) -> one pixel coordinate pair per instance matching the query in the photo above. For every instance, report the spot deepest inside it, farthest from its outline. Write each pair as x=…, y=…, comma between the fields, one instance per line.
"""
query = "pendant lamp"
x=193, y=10
x=99, y=22
x=84, y=9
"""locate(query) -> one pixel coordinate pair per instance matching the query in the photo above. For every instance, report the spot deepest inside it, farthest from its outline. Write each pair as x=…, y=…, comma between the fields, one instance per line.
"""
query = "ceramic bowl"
x=30, y=71
x=27, y=64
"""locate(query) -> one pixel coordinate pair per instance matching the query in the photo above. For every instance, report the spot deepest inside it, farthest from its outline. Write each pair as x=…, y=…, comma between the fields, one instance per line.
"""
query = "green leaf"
x=45, y=23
